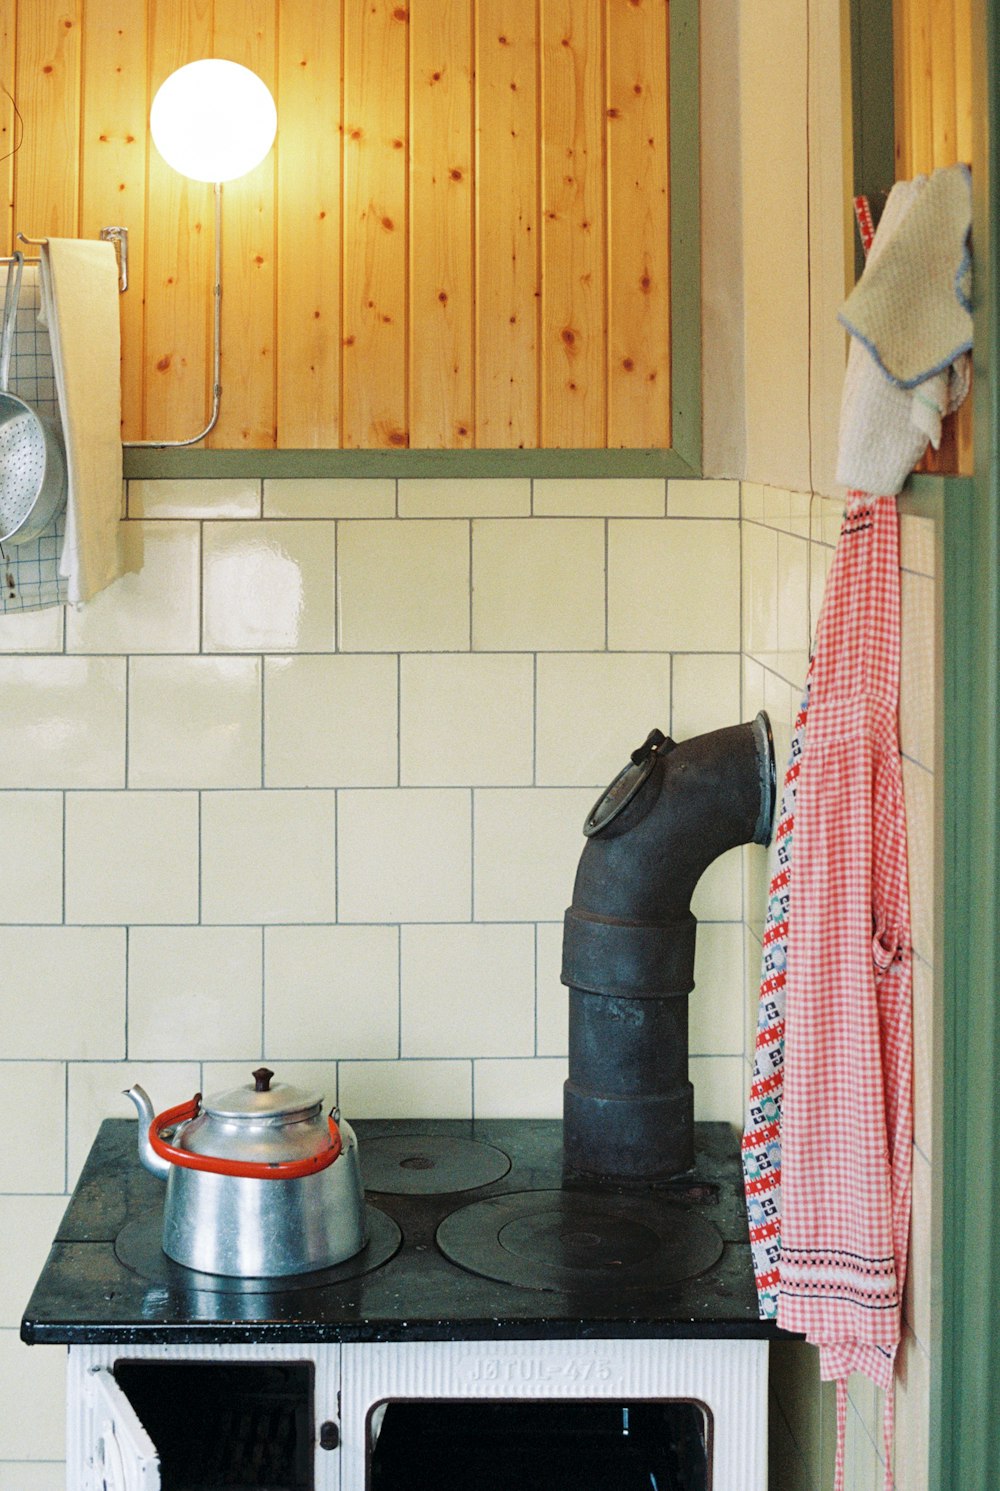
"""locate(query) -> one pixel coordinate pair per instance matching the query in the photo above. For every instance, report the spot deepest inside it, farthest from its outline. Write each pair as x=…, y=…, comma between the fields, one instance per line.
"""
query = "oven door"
x=124, y=1457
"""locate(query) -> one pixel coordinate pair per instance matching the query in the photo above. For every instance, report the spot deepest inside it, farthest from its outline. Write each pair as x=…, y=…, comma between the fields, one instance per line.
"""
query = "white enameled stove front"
x=108, y=1451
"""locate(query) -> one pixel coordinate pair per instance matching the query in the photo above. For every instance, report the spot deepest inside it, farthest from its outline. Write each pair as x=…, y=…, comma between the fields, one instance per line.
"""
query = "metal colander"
x=32, y=463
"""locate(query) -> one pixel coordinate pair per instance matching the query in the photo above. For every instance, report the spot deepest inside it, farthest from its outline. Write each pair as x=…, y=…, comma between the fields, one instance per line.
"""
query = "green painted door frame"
x=965, y=1420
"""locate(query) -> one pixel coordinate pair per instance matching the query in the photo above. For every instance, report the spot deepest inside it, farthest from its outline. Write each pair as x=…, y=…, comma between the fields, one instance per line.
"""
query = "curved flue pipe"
x=629, y=942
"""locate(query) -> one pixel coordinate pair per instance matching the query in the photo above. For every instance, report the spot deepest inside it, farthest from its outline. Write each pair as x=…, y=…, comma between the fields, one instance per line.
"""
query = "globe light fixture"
x=212, y=121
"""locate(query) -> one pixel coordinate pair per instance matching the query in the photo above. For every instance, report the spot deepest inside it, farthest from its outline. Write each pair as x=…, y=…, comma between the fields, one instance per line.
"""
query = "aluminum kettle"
x=259, y=1183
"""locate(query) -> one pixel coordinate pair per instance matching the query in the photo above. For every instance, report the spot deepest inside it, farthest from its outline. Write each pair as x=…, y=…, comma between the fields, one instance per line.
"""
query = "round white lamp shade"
x=213, y=120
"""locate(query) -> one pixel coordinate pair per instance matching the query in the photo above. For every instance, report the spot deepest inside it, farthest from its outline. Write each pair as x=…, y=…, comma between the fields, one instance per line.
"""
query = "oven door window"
x=242, y=1426
x=125, y=1457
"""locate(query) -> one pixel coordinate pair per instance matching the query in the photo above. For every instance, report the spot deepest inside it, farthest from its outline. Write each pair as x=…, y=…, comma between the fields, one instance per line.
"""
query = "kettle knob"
x=262, y=1079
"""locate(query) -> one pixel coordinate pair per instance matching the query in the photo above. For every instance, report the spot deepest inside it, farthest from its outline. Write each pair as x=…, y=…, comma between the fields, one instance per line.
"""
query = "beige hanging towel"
x=80, y=304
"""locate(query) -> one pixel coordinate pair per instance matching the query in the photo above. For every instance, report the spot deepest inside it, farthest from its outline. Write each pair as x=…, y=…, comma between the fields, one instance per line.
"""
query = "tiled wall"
x=308, y=785
x=787, y=547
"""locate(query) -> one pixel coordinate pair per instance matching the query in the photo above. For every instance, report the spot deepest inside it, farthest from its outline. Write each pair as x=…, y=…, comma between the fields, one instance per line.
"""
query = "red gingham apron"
x=844, y=1098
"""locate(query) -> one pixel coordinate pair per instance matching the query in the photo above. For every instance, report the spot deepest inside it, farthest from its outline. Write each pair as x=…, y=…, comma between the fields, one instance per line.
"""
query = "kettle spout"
x=153, y=1162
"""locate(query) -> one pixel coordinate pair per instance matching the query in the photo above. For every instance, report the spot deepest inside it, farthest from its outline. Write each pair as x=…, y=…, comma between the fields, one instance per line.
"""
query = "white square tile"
x=913, y=1415
x=268, y=856
x=329, y=497
x=65, y=993
x=330, y=721
x=96, y=1092
x=718, y=896
x=154, y=607
x=752, y=501
x=760, y=591
x=918, y=793
x=919, y=683
x=593, y=709
x=777, y=507
x=33, y=1475
x=599, y=497
x=132, y=857
x=31, y=865
x=406, y=1089
x=27, y=1225
x=917, y=1305
x=675, y=583
x=716, y=1003
x=918, y=541
x=466, y=719
x=538, y=584
x=331, y=989
x=706, y=693
x=194, y=992
x=34, y=1157
x=226, y=497
x=404, y=855
x=793, y=609
x=403, y=586
x=528, y=843
x=923, y=1057
x=720, y=1090
x=32, y=631
x=269, y=587
x=63, y=721
x=462, y=497
x=531, y=1088
x=552, y=998
x=468, y=991
x=703, y=499
x=34, y=1416
x=194, y=722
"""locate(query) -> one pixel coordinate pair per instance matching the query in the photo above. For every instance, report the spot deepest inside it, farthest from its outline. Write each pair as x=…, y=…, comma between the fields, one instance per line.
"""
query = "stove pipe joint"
x=629, y=943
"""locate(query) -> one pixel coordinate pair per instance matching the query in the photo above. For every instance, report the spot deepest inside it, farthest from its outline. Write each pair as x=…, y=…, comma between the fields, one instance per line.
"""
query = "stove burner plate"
x=429, y=1164
x=138, y=1246
x=565, y=1241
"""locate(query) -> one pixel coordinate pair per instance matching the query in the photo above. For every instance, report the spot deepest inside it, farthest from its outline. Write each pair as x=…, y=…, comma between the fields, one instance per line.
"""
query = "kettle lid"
x=258, y=1099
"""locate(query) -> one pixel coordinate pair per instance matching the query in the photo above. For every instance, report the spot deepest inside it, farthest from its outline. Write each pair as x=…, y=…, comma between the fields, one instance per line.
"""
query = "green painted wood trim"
x=965, y=1430
x=685, y=234
x=683, y=459
x=470, y=464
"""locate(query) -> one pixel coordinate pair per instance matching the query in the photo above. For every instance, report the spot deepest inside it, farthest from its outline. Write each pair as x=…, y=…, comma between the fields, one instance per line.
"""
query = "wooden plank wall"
x=933, y=106
x=460, y=240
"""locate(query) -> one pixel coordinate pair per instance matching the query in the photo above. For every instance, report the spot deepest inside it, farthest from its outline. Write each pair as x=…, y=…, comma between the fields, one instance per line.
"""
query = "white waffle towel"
x=911, y=332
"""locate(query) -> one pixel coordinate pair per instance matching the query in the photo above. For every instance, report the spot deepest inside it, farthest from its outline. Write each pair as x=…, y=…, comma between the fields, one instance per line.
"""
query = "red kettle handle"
x=251, y=1169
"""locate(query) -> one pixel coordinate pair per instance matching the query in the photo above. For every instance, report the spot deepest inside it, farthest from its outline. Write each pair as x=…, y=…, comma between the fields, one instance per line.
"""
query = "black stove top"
x=475, y=1233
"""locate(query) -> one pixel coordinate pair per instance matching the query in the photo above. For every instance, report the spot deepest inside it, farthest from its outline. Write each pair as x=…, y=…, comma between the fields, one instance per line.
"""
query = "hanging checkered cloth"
x=847, y=1117
x=762, y=1137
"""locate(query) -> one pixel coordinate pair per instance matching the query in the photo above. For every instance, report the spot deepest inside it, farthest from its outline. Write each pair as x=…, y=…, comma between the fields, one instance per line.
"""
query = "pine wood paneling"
x=508, y=295
x=461, y=238
x=933, y=95
x=113, y=166
x=638, y=224
x=47, y=89
x=177, y=362
x=441, y=352
x=574, y=390
x=375, y=156
x=245, y=32
x=9, y=128
x=307, y=350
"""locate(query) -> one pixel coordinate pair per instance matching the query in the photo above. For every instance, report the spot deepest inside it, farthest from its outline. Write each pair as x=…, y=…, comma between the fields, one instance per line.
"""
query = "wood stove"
x=508, y=1325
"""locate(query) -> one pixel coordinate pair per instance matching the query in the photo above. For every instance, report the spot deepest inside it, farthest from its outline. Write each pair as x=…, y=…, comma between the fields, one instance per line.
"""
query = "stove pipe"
x=629, y=939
